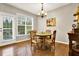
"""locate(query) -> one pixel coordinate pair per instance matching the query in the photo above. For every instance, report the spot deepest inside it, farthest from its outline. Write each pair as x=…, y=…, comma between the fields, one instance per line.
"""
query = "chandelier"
x=42, y=13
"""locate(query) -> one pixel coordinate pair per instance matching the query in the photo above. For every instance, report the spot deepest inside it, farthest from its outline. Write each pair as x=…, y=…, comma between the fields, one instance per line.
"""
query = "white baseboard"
x=11, y=42
x=63, y=42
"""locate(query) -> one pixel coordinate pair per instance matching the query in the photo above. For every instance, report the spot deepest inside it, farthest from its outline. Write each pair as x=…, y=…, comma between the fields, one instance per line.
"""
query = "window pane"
x=7, y=27
x=7, y=34
x=29, y=21
x=28, y=28
x=21, y=20
x=7, y=22
x=21, y=29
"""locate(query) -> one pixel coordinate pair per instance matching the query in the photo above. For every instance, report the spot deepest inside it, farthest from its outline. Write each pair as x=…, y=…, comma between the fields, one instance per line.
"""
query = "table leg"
x=43, y=42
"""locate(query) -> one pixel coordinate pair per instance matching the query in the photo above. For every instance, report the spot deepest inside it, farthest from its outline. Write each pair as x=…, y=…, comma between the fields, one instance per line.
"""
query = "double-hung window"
x=7, y=28
x=21, y=25
x=25, y=24
x=29, y=24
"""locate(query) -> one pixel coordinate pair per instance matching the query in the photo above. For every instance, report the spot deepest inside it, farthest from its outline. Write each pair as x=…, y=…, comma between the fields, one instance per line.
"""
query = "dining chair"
x=34, y=39
x=48, y=31
x=51, y=41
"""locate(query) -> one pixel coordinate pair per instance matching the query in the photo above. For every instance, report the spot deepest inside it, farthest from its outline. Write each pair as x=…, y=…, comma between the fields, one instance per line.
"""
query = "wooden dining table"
x=43, y=36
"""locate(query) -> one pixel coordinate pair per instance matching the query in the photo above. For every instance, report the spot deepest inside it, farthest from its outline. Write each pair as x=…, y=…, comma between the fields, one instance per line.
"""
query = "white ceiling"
x=35, y=8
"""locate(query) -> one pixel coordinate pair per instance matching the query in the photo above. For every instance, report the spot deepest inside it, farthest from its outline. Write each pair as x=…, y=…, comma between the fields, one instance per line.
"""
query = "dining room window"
x=21, y=25
x=29, y=25
x=7, y=27
x=25, y=25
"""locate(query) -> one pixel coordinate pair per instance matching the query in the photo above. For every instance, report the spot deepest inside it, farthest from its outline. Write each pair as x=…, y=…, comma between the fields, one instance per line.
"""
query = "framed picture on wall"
x=51, y=22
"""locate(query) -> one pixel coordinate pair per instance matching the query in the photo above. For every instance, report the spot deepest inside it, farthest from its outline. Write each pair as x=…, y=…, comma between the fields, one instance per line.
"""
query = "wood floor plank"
x=24, y=49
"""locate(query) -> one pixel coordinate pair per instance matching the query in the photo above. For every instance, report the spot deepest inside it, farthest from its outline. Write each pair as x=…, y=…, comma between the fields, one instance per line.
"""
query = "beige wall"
x=64, y=20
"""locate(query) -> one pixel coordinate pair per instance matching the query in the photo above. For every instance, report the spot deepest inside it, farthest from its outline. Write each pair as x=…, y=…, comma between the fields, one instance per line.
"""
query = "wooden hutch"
x=74, y=37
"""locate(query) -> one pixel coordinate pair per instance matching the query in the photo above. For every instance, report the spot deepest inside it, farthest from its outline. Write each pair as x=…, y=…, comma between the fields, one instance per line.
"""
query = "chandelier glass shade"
x=42, y=13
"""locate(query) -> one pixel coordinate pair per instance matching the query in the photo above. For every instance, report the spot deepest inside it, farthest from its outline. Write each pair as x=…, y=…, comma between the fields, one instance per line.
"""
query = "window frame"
x=25, y=23
x=4, y=14
x=29, y=25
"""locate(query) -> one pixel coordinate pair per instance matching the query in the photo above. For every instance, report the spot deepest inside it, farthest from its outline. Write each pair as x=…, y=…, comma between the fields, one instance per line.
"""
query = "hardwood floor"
x=24, y=49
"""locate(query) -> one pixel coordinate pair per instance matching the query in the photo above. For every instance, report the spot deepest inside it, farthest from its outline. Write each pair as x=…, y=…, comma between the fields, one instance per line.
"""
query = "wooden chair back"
x=53, y=37
x=54, y=34
x=32, y=34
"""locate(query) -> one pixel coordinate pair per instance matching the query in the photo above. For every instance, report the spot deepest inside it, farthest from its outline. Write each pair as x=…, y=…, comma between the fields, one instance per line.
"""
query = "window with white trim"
x=21, y=25
x=7, y=27
x=25, y=24
x=29, y=24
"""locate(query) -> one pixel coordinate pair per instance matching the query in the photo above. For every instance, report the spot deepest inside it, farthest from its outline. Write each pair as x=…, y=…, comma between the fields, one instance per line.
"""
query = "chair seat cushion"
x=33, y=41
